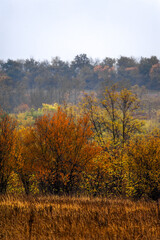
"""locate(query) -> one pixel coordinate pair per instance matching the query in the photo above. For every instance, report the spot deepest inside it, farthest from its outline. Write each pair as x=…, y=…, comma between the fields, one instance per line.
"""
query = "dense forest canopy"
x=30, y=82
x=100, y=146
x=89, y=127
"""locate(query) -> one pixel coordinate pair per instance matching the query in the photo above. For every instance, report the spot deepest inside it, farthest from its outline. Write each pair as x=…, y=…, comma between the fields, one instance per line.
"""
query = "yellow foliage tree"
x=143, y=161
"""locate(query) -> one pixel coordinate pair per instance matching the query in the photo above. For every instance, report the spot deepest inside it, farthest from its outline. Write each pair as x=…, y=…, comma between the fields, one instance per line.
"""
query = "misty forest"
x=31, y=83
x=80, y=148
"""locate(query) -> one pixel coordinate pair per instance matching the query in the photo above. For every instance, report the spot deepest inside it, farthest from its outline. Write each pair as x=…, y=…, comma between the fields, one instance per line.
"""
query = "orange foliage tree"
x=7, y=141
x=61, y=148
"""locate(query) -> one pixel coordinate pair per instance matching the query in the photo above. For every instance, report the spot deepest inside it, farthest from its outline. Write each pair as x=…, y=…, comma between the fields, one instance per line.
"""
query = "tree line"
x=98, y=147
x=32, y=82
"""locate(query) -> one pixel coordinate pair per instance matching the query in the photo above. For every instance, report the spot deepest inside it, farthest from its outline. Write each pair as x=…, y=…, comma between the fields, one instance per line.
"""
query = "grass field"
x=49, y=218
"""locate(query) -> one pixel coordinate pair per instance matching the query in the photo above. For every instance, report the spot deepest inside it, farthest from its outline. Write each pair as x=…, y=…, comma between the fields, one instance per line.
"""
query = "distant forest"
x=29, y=83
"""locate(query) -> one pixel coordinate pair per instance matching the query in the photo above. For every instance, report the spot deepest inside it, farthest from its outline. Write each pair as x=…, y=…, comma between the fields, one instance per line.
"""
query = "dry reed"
x=57, y=218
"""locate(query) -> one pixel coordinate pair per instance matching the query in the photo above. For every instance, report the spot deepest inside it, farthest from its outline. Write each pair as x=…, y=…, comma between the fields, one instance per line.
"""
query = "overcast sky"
x=43, y=29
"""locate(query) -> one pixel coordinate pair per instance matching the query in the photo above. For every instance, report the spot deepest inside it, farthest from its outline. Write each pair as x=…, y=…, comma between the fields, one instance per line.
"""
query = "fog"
x=43, y=29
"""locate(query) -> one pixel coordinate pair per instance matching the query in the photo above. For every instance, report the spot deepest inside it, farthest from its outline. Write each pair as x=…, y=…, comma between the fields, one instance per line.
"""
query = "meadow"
x=67, y=218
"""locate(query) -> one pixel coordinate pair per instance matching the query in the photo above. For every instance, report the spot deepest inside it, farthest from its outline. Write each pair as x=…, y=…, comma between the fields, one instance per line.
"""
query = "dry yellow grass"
x=54, y=218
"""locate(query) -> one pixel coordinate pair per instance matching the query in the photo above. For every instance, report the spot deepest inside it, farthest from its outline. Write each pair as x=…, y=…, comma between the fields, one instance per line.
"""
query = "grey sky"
x=100, y=28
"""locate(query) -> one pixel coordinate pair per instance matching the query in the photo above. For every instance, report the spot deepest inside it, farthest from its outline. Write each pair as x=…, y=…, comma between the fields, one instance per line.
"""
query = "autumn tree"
x=23, y=163
x=7, y=140
x=94, y=181
x=128, y=104
x=90, y=105
x=144, y=166
x=114, y=124
x=113, y=114
x=61, y=148
x=120, y=108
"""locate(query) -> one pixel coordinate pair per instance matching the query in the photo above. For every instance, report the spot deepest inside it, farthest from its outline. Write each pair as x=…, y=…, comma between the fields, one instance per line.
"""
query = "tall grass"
x=49, y=218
